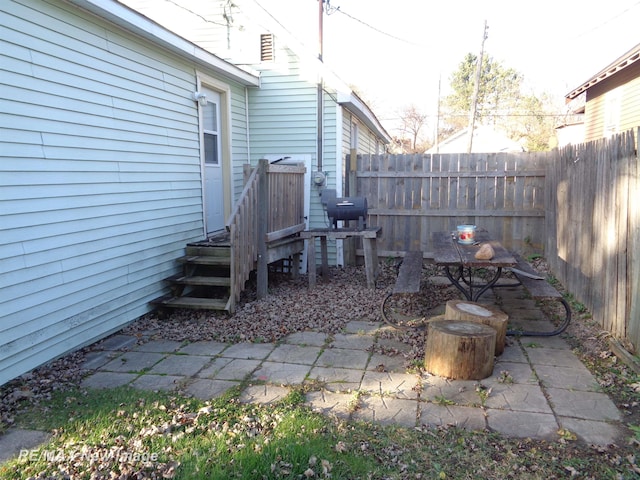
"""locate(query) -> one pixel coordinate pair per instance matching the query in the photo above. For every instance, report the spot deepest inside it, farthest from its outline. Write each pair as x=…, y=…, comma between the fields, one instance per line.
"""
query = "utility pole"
x=476, y=89
x=437, y=143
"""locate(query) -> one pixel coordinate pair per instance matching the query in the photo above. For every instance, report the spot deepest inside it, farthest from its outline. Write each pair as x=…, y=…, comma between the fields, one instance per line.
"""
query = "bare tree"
x=413, y=123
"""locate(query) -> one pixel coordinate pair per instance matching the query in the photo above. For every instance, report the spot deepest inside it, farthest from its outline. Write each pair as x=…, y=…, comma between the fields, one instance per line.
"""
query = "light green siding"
x=100, y=177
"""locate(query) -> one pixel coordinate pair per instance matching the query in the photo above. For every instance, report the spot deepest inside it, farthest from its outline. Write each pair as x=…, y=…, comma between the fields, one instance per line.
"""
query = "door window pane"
x=211, y=149
x=210, y=117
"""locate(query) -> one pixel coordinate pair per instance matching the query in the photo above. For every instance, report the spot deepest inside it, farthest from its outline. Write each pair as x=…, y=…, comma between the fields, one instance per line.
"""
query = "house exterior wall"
x=625, y=85
x=100, y=177
x=283, y=111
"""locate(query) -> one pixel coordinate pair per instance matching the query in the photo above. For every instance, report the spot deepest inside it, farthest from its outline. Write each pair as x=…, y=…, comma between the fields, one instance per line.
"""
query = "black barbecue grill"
x=344, y=208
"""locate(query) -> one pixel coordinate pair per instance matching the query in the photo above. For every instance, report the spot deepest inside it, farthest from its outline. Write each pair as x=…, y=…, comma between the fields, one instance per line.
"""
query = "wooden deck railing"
x=270, y=208
x=243, y=235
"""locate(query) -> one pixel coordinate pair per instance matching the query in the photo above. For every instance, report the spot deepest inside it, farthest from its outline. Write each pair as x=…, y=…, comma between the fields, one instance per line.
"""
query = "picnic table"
x=459, y=262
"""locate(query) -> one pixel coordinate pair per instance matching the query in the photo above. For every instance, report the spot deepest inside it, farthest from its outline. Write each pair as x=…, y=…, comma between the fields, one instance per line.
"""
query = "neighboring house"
x=486, y=139
x=284, y=118
x=104, y=152
x=612, y=103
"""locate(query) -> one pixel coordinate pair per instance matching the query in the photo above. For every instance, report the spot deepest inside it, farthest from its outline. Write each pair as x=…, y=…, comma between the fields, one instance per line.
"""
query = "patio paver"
x=248, y=351
x=281, y=373
x=133, y=362
x=337, y=379
x=206, y=389
x=108, y=379
x=161, y=346
x=263, y=394
x=304, y=355
x=158, y=382
x=203, y=348
x=387, y=410
x=523, y=424
x=444, y=415
x=180, y=365
x=343, y=358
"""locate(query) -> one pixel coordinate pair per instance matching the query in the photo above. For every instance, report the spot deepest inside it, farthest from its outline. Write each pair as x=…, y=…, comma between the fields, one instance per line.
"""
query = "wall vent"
x=267, y=51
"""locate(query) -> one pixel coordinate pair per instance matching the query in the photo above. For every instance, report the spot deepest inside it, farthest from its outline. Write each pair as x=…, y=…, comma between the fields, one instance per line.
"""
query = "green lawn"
x=100, y=434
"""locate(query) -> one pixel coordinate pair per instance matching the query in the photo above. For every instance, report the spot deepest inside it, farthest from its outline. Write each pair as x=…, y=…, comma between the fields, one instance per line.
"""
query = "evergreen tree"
x=501, y=103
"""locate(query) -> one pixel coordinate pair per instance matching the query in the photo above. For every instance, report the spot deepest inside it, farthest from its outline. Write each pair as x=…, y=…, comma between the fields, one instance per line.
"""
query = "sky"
x=396, y=52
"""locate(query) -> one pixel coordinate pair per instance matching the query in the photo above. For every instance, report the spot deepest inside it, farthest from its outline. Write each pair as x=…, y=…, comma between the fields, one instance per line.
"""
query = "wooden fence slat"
x=633, y=245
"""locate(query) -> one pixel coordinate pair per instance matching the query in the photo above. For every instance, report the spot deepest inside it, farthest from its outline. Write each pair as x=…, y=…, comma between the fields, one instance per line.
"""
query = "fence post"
x=262, y=214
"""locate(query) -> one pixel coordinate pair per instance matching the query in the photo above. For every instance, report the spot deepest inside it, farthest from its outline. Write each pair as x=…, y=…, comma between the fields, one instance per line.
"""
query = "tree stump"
x=460, y=350
x=485, y=314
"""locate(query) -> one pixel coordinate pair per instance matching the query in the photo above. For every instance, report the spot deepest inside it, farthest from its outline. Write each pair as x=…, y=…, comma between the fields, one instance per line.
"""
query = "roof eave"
x=130, y=20
x=614, y=67
x=355, y=105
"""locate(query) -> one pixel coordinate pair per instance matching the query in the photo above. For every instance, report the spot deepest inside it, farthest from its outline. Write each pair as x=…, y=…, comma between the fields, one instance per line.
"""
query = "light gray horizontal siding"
x=239, y=138
x=100, y=180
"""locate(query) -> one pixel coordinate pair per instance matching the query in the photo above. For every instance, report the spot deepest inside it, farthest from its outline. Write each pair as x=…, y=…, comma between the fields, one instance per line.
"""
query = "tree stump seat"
x=459, y=349
x=480, y=313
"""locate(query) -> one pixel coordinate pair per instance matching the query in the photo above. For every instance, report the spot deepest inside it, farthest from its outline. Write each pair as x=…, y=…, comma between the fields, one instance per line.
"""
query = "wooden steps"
x=205, y=283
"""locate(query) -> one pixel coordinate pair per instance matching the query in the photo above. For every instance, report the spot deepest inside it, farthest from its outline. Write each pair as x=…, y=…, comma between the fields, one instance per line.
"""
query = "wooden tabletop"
x=448, y=252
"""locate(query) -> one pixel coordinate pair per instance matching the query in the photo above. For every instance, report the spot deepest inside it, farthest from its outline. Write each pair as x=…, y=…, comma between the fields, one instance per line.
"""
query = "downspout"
x=319, y=122
x=320, y=83
x=339, y=175
x=246, y=115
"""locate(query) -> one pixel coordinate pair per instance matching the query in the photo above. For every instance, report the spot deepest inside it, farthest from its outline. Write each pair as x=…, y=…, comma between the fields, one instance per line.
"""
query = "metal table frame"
x=448, y=253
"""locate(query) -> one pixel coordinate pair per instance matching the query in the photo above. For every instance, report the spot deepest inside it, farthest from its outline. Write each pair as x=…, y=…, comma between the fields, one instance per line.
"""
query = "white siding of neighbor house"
x=100, y=180
x=368, y=142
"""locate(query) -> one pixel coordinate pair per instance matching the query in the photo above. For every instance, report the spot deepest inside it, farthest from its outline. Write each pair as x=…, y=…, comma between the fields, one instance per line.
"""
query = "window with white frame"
x=354, y=136
x=612, y=102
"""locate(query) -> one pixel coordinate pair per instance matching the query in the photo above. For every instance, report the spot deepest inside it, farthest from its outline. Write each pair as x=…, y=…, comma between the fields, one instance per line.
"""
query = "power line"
x=275, y=19
x=593, y=29
x=201, y=17
x=376, y=29
x=490, y=115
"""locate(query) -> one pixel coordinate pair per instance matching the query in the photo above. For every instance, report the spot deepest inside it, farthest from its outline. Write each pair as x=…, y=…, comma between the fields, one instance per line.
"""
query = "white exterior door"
x=213, y=174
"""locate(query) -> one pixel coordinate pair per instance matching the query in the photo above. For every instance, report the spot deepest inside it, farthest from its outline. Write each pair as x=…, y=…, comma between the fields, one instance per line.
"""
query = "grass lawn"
x=131, y=434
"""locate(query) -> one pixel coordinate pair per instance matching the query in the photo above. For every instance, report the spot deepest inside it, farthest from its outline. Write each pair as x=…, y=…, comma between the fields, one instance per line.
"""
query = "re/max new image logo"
x=58, y=456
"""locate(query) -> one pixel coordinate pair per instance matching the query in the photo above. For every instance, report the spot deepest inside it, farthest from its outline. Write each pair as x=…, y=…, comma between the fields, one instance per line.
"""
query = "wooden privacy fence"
x=579, y=205
x=593, y=230
x=412, y=196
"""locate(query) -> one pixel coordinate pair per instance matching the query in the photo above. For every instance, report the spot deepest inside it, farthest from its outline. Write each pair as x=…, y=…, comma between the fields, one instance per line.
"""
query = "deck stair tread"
x=200, y=280
x=205, y=260
x=198, y=303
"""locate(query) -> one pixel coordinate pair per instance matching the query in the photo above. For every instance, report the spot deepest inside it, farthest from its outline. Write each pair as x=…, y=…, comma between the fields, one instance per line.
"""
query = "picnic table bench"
x=407, y=281
x=539, y=289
